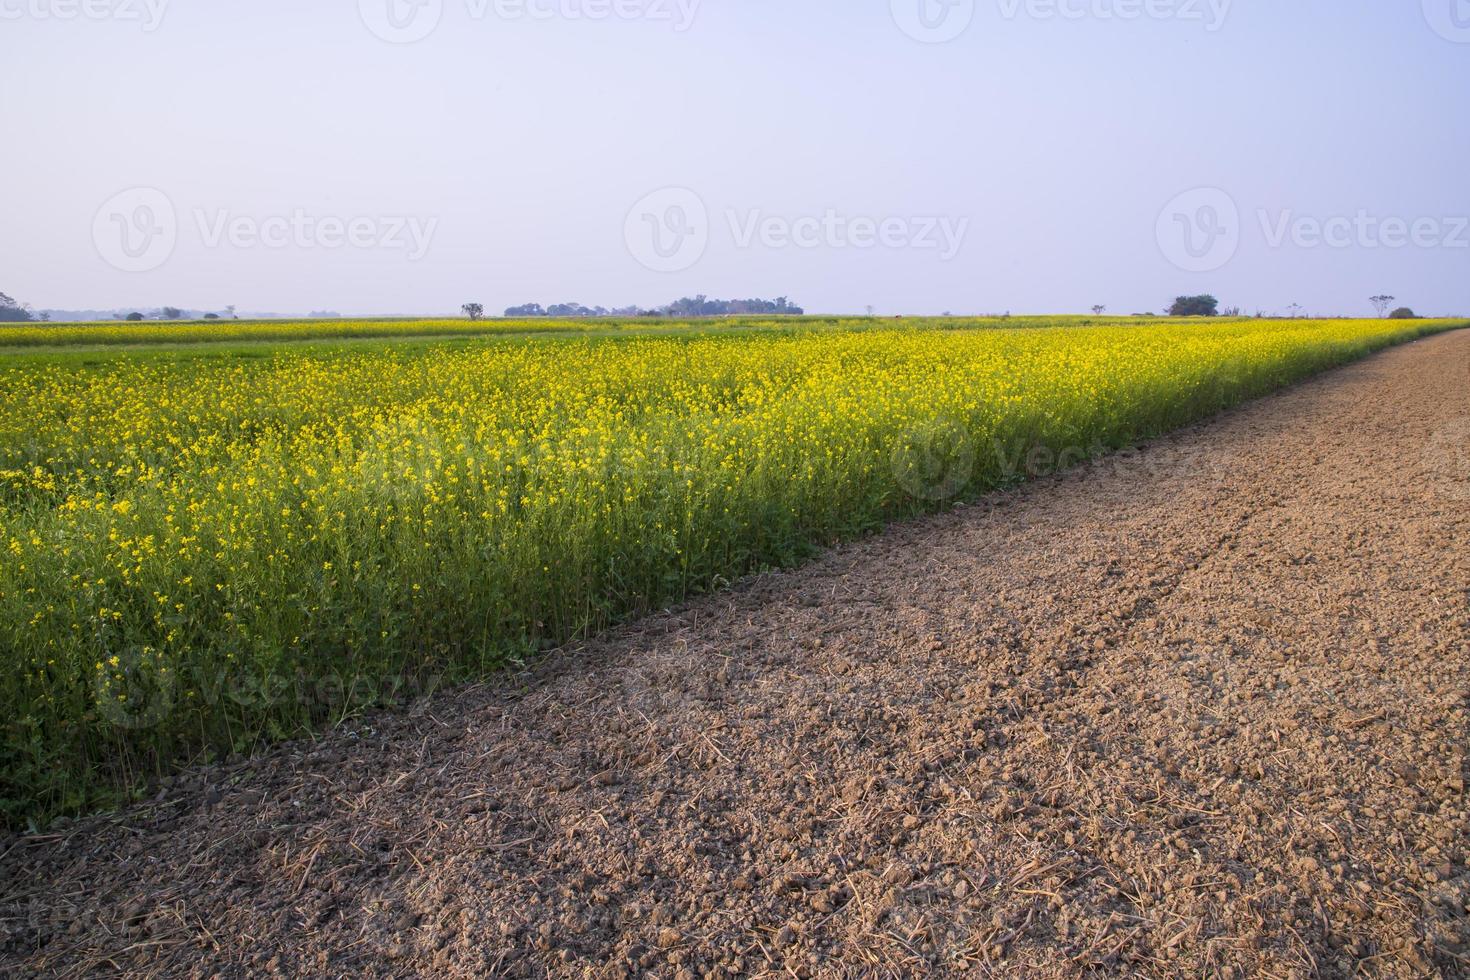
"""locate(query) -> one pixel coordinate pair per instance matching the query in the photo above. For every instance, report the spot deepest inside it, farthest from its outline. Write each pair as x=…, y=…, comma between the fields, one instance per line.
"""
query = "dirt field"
x=1202, y=710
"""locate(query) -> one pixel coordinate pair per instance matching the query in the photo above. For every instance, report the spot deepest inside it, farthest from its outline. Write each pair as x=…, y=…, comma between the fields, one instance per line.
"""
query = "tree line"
x=13, y=312
x=688, y=306
x=1207, y=305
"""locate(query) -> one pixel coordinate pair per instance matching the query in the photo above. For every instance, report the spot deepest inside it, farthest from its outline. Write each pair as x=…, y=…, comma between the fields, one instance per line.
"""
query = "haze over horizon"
x=1033, y=156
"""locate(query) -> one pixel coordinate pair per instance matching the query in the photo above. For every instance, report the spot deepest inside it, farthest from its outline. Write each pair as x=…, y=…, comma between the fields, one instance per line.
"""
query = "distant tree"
x=1403, y=313
x=1296, y=311
x=1381, y=303
x=1195, y=306
x=211, y=316
x=1099, y=310
x=529, y=309
x=230, y=312
x=171, y=313
x=44, y=316
x=869, y=309
x=13, y=312
x=134, y=316
x=473, y=310
x=1231, y=311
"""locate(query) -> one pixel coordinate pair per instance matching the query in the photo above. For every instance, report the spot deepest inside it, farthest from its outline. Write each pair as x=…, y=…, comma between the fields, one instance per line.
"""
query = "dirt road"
x=1202, y=710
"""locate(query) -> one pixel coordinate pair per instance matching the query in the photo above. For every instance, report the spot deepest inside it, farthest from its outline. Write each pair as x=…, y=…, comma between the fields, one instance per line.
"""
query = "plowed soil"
x=1201, y=709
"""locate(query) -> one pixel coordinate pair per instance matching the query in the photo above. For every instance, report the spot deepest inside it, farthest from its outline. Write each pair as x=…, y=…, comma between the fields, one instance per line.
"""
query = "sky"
x=913, y=156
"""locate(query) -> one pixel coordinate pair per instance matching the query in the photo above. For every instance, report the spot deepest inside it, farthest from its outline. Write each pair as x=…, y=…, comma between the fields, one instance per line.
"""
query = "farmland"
x=214, y=332
x=213, y=545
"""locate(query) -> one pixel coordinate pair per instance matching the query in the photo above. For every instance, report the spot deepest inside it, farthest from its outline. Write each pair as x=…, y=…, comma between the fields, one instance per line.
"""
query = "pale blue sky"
x=517, y=146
